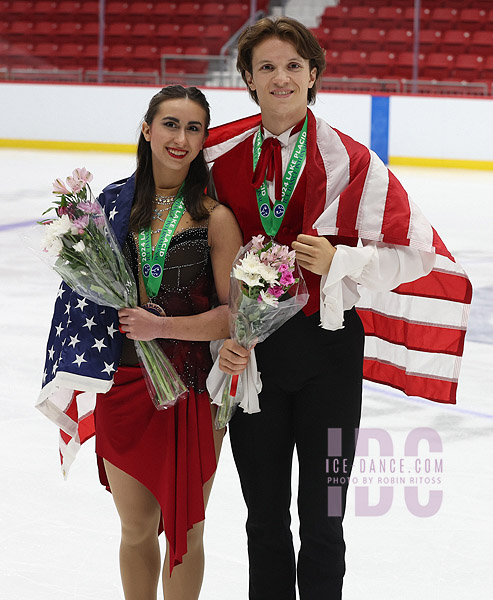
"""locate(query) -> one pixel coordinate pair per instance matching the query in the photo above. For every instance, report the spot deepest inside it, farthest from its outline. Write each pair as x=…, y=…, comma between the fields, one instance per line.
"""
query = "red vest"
x=233, y=173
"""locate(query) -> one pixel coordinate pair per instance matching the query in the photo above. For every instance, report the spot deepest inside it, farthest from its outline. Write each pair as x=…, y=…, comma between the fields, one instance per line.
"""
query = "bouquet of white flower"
x=81, y=247
x=266, y=289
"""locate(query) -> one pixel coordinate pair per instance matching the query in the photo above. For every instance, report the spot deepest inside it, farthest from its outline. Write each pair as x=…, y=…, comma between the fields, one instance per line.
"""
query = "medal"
x=272, y=217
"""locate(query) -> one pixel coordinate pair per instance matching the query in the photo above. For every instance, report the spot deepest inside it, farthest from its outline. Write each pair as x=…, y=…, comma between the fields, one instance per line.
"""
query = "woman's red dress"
x=169, y=451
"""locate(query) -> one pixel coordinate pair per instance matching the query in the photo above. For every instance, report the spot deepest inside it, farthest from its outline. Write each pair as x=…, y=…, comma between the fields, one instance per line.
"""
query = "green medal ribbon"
x=272, y=217
x=153, y=263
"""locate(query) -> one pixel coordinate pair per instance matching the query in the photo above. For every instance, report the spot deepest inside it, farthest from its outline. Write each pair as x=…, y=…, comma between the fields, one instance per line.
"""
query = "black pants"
x=311, y=382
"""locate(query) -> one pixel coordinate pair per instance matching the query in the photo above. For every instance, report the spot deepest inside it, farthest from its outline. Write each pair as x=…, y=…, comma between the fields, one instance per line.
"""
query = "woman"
x=311, y=374
x=159, y=464
x=196, y=268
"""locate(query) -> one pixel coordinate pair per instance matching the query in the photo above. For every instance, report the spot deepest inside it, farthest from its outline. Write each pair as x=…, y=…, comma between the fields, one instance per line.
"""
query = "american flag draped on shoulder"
x=414, y=333
x=84, y=346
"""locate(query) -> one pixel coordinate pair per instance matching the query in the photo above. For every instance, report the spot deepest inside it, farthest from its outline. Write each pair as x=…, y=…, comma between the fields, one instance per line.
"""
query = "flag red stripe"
x=359, y=162
x=425, y=338
x=440, y=246
x=223, y=133
x=411, y=385
x=395, y=223
x=86, y=428
x=444, y=286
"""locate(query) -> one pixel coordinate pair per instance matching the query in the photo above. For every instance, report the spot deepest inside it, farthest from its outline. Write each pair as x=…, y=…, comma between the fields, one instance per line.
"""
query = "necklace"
x=165, y=200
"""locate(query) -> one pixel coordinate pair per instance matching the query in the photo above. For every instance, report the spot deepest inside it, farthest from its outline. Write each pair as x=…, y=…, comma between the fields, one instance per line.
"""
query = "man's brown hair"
x=287, y=30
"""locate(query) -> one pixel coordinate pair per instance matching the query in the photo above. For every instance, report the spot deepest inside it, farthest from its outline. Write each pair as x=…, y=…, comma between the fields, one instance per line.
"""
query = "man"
x=311, y=375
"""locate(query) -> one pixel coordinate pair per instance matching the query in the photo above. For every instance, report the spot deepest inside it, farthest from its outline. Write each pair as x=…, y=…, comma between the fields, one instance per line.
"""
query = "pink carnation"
x=275, y=290
x=287, y=278
x=90, y=208
x=81, y=223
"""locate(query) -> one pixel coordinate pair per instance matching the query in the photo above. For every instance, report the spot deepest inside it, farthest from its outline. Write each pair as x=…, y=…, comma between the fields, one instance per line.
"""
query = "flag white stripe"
x=445, y=265
x=414, y=362
x=420, y=232
x=415, y=309
x=210, y=154
x=336, y=164
x=371, y=208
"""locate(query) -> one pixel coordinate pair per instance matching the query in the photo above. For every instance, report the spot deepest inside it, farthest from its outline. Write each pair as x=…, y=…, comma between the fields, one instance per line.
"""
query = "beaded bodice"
x=187, y=288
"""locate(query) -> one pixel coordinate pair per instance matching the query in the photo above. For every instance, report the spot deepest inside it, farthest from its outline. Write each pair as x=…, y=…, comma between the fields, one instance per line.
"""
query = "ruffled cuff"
x=251, y=384
x=335, y=286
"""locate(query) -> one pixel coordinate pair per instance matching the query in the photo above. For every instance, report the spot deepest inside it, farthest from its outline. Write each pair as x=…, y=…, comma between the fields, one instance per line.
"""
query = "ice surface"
x=59, y=540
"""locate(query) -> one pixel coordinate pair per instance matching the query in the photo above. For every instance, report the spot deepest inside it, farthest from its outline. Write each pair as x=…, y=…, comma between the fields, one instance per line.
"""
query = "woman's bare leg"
x=186, y=581
x=140, y=513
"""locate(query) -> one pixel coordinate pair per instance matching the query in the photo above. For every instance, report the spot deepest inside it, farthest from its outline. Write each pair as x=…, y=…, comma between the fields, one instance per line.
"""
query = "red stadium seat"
x=186, y=12
x=390, y=16
x=430, y=40
x=343, y=38
x=20, y=49
x=380, y=64
x=44, y=9
x=90, y=55
x=137, y=11
x=46, y=29
x=488, y=68
x=362, y=16
x=168, y=33
x=196, y=66
x=404, y=63
x=399, y=40
x=118, y=55
x=371, y=39
x=438, y=65
x=335, y=16
x=46, y=50
x=408, y=18
x=323, y=35
x=145, y=52
x=352, y=63
x=191, y=33
x=469, y=67
x=216, y=36
x=68, y=7
x=89, y=32
x=236, y=14
x=173, y=65
x=19, y=29
x=20, y=8
x=455, y=41
x=473, y=19
x=164, y=11
x=68, y=55
x=444, y=18
x=117, y=9
x=118, y=32
x=212, y=13
x=145, y=30
x=481, y=42
x=89, y=9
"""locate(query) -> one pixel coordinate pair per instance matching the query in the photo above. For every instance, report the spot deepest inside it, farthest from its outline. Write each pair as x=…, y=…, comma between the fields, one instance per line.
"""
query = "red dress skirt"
x=171, y=452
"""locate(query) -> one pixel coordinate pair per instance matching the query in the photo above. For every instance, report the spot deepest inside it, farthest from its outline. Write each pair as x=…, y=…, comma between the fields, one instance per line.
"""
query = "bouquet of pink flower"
x=266, y=289
x=81, y=247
